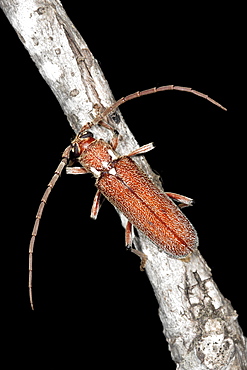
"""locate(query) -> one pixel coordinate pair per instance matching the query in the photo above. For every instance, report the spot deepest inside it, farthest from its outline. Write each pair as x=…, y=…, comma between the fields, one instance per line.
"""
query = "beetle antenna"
x=57, y=173
x=155, y=90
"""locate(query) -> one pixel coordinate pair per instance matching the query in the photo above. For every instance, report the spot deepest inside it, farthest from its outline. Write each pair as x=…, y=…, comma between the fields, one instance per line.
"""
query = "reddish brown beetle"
x=128, y=188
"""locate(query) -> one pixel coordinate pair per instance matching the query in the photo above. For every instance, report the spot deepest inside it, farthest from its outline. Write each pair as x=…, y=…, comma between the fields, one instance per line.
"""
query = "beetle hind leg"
x=142, y=256
x=128, y=244
x=182, y=200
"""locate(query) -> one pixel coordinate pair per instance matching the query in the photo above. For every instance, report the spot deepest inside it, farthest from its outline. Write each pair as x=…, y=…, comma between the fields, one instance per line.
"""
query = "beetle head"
x=81, y=143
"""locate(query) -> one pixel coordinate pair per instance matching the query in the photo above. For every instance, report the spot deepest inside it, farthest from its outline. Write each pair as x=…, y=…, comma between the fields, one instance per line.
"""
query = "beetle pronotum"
x=127, y=187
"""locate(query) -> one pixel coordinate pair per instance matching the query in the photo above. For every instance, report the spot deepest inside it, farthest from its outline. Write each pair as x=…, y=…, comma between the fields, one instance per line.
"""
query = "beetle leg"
x=114, y=140
x=143, y=149
x=85, y=127
x=96, y=205
x=142, y=256
x=75, y=171
x=182, y=199
x=128, y=243
x=128, y=235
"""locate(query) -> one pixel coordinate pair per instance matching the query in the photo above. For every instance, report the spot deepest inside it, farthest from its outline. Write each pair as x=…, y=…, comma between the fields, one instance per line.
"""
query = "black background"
x=91, y=301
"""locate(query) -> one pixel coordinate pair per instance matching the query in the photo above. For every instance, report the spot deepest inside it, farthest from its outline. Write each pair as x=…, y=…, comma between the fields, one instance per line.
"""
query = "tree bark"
x=200, y=325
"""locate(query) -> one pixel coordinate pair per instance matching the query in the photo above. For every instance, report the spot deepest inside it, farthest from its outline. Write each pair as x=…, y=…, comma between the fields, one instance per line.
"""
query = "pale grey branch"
x=200, y=325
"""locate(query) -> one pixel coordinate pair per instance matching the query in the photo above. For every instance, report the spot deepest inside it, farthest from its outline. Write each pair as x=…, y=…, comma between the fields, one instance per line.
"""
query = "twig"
x=200, y=325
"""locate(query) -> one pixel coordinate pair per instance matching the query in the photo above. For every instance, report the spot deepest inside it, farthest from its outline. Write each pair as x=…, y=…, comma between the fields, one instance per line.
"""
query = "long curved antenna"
x=153, y=90
x=57, y=173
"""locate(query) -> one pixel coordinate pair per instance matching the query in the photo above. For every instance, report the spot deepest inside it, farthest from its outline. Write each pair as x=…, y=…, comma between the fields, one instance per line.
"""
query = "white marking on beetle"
x=112, y=171
x=105, y=164
x=112, y=154
x=95, y=172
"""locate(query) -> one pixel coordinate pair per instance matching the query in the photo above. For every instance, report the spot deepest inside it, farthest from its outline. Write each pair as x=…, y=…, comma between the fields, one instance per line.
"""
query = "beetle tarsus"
x=142, y=256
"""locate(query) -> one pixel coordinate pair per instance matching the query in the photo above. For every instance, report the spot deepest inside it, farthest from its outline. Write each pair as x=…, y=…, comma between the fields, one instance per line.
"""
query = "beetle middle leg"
x=128, y=244
x=143, y=149
x=96, y=202
x=96, y=205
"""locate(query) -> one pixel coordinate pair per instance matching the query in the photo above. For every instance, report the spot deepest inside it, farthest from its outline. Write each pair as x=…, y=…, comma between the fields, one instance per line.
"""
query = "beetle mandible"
x=120, y=180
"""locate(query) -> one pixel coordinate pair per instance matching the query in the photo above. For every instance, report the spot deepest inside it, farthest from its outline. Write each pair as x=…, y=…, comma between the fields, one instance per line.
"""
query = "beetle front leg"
x=75, y=171
x=114, y=140
x=128, y=244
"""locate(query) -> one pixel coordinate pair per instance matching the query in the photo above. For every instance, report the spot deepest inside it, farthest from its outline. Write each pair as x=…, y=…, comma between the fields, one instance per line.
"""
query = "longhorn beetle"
x=127, y=187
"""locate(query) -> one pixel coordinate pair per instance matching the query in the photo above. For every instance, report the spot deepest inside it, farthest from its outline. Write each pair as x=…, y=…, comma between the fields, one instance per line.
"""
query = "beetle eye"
x=85, y=134
x=75, y=150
